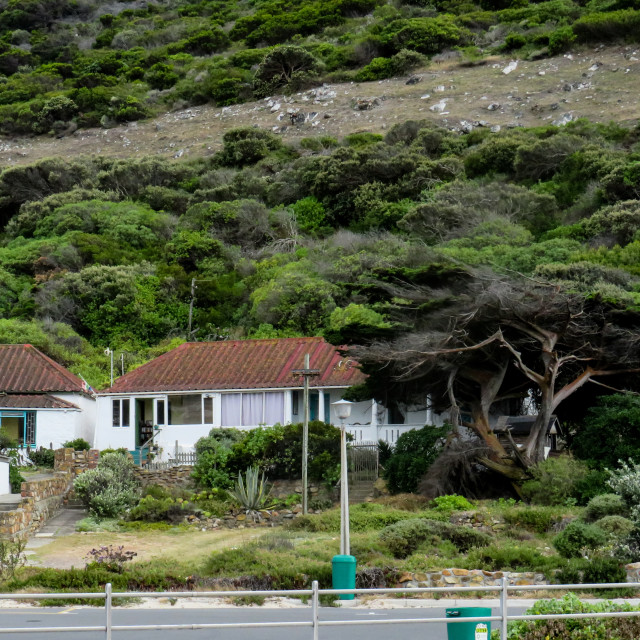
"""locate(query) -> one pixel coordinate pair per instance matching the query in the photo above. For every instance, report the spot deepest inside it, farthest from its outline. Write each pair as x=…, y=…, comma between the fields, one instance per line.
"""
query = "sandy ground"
x=599, y=83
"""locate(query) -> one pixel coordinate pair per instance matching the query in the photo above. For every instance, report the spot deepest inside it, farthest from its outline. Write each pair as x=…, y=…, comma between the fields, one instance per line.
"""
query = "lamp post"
x=343, y=411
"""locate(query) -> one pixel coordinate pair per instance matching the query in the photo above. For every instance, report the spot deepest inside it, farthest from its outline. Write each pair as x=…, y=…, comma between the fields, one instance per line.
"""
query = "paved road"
x=67, y=617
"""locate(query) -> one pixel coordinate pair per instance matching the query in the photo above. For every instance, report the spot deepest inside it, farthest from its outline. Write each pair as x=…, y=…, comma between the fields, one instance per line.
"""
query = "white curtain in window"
x=231, y=409
x=252, y=409
x=273, y=407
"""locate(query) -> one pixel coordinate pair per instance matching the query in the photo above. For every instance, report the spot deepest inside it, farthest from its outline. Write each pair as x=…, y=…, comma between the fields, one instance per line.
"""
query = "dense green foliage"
x=585, y=629
x=87, y=62
x=306, y=239
x=619, y=416
x=412, y=455
x=224, y=454
x=109, y=489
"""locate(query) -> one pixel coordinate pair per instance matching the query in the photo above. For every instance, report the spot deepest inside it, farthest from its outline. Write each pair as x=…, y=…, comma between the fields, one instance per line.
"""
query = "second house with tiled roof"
x=42, y=404
x=180, y=396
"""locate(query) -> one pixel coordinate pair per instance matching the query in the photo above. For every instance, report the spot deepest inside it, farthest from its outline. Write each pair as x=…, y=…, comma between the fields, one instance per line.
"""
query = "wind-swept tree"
x=476, y=339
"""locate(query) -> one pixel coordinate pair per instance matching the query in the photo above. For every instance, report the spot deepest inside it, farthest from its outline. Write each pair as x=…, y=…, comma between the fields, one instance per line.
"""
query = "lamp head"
x=342, y=409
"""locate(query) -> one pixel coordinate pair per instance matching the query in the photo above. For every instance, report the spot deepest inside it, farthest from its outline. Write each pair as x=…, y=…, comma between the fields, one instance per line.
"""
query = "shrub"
x=608, y=504
x=451, y=503
x=531, y=518
x=617, y=414
x=615, y=527
x=11, y=558
x=554, y=480
x=560, y=40
x=110, y=557
x=161, y=76
x=412, y=455
x=425, y=35
x=612, y=25
x=514, y=41
x=110, y=489
x=43, y=457
x=508, y=557
x=15, y=478
x=625, y=482
x=79, y=444
x=285, y=66
x=576, y=629
x=576, y=537
x=247, y=145
x=404, y=537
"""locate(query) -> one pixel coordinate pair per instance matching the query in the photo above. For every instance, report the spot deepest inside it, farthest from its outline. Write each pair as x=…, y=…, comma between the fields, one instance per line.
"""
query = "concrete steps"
x=360, y=490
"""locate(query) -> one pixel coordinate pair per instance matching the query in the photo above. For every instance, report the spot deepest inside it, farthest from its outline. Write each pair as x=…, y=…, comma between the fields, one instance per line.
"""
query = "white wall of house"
x=55, y=426
x=106, y=435
x=5, y=485
x=368, y=421
x=85, y=424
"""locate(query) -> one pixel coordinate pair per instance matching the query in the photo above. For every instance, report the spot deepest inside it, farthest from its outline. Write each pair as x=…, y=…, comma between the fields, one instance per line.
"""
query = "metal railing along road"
x=314, y=623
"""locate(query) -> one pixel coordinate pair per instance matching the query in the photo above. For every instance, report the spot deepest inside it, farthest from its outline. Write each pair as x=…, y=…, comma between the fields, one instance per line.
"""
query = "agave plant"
x=251, y=492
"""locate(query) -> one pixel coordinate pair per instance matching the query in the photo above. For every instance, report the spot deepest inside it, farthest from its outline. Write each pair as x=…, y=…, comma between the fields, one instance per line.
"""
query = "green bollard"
x=344, y=575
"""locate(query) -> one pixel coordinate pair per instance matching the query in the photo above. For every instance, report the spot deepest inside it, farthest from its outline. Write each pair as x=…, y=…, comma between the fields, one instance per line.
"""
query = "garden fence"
x=314, y=624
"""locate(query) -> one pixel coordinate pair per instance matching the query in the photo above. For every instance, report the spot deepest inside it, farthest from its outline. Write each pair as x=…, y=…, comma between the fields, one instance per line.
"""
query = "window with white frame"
x=252, y=409
x=185, y=409
x=120, y=412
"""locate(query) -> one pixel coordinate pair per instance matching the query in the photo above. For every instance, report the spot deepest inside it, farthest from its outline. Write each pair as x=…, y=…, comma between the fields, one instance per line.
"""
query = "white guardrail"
x=314, y=593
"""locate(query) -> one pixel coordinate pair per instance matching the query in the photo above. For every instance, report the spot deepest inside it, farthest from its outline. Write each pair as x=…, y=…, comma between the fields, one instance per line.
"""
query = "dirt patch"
x=601, y=84
x=185, y=547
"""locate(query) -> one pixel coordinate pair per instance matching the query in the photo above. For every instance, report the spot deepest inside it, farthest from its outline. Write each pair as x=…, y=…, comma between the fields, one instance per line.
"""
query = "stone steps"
x=359, y=491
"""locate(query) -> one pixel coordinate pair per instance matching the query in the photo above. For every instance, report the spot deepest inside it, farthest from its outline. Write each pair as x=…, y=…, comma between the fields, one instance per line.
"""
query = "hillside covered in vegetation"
x=84, y=63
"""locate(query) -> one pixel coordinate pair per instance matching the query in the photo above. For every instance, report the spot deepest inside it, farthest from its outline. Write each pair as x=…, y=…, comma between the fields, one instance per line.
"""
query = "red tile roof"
x=33, y=401
x=24, y=369
x=241, y=364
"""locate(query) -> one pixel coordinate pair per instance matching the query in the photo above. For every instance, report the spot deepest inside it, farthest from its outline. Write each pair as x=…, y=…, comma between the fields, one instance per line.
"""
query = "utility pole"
x=122, y=362
x=109, y=352
x=193, y=295
x=306, y=373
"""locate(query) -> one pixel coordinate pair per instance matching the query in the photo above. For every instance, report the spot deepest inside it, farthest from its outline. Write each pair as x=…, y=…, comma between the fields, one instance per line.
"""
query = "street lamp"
x=343, y=411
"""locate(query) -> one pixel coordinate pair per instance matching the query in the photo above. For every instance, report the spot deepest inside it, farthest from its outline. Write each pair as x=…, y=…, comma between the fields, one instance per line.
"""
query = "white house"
x=181, y=395
x=42, y=404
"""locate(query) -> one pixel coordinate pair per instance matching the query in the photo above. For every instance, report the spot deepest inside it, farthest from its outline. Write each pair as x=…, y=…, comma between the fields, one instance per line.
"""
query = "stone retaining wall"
x=179, y=477
x=66, y=459
x=41, y=499
x=478, y=578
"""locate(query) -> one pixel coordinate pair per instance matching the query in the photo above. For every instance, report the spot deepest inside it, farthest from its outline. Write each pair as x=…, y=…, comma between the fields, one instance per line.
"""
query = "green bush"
x=531, y=518
x=169, y=509
x=287, y=66
x=404, y=537
x=503, y=557
x=451, y=503
x=363, y=517
x=413, y=454
x=79, y=444
x=43, y=457
x=424, y=35
x=560, y=40
x=514, y=41
x=554, y=480
x=247, y=145
x=608, y=504
x=15, y=478
x=576, y=629
x=612, y=25
x=576, y=537
x=615, y=527
x=110, y=489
